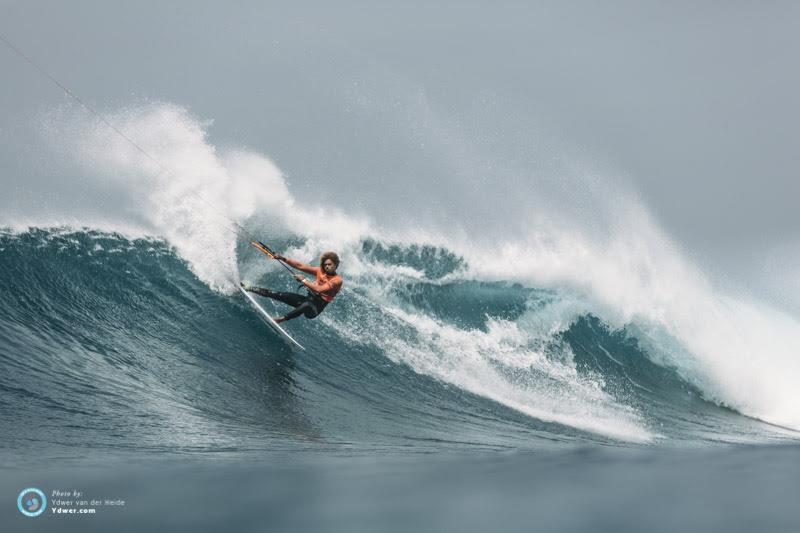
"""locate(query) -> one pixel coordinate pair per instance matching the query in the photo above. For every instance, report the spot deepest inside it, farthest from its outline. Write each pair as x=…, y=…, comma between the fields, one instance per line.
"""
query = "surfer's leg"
x=289, y=298
x=306, y=308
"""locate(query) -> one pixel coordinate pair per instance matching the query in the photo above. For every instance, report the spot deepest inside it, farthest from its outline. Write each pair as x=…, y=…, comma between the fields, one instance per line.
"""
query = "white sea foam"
x=740, y=353
x=553, y=391
x=179, y=184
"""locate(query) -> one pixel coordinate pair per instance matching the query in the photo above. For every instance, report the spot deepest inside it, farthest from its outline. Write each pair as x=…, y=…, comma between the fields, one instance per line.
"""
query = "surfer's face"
x=329, y=267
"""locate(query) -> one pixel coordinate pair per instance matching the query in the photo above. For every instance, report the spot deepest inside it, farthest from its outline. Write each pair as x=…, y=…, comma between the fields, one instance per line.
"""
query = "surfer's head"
x=329, y=262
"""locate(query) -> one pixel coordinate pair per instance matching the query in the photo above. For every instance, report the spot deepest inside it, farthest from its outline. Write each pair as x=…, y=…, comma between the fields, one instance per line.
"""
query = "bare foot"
x=279, y=319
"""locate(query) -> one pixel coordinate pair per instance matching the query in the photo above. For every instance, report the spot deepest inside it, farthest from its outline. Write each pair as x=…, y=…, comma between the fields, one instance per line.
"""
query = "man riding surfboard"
x=321, y=291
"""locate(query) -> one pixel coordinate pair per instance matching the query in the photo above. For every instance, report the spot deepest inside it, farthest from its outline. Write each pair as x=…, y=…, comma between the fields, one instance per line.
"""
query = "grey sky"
x=693, y=104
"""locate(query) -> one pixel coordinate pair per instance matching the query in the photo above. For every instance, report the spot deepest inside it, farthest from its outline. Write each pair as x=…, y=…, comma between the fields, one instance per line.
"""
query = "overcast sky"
x=694, y=105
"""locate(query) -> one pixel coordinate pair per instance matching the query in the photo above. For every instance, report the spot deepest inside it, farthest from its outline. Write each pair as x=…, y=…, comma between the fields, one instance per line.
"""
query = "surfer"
x=321, y=291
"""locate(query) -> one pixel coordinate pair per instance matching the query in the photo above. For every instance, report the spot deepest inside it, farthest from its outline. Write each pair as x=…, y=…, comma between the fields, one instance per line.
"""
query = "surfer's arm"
x=308, y=269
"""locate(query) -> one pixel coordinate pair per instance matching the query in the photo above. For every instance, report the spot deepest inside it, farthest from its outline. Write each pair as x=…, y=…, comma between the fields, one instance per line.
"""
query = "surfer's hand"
x=279, y=257
x=299, y=278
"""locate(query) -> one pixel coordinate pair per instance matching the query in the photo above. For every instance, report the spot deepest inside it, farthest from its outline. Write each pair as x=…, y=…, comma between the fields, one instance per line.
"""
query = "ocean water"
x=550, y=382
x=423, y=405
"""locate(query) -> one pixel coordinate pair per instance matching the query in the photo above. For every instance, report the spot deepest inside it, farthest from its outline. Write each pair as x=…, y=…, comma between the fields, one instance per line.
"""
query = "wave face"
x=114, y=343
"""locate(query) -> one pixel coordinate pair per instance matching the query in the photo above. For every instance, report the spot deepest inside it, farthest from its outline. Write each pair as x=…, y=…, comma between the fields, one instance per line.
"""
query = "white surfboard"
x=269, y=321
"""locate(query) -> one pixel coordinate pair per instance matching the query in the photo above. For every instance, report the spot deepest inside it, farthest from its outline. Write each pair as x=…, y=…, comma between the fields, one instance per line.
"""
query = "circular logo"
x=31, y=502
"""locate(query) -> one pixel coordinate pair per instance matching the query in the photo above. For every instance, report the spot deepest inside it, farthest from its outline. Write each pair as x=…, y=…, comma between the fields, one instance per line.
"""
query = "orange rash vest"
x=326, y=286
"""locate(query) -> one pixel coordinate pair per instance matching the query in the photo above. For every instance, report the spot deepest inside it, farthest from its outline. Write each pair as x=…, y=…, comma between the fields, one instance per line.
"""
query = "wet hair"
x=329, y=255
